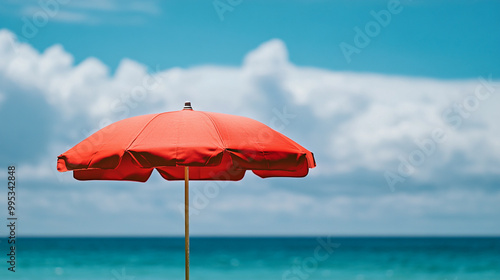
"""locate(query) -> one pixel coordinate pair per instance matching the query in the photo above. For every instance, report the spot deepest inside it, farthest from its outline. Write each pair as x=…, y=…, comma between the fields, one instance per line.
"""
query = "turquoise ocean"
x=262, y=258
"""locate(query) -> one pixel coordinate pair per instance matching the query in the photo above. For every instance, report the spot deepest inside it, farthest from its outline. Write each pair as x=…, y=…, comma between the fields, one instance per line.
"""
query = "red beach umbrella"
x=186, y=145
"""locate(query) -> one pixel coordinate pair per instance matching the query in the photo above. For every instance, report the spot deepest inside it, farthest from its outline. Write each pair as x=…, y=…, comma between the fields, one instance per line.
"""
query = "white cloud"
x=102, y=208
x=75, y=17
x=355, y=121
x=148, y=6
x=40, y=171
x=351, y=121
x=39, y=13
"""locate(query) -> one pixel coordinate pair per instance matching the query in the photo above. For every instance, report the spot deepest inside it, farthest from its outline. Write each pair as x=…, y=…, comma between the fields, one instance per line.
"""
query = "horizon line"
x=270, y=236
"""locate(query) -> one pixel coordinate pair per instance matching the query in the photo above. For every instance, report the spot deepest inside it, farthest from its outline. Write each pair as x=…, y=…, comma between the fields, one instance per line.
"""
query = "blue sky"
x=446, y=39
x=404, y=128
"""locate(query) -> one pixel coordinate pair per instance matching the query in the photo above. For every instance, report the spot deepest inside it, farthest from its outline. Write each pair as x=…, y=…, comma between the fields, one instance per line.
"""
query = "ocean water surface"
x=280, y=258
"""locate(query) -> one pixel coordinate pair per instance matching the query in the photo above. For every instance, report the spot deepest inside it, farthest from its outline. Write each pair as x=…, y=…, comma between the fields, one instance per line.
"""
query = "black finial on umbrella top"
x=187, y=105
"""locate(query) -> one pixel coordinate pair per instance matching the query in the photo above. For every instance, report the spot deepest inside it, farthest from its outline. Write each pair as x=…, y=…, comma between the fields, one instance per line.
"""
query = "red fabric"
x=215, y=146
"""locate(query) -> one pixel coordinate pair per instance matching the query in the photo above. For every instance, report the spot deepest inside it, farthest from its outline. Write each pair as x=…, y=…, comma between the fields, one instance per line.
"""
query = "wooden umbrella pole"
x=186, y=218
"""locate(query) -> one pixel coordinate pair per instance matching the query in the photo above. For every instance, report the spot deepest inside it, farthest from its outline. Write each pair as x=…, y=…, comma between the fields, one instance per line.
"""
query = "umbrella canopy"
x=189, y=145
x=215, y=146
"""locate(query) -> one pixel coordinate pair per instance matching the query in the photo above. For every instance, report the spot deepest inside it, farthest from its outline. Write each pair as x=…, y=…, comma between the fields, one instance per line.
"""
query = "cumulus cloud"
x=357, y=124
x=152, y=209
x=397, y=213
x=364, y=120
x=355, y=120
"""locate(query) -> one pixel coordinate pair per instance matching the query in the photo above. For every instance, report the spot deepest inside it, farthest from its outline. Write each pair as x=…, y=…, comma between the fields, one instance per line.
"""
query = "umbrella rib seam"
x=218, y=134
x=94, y=153
x=216, y=129
x=139, y=133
